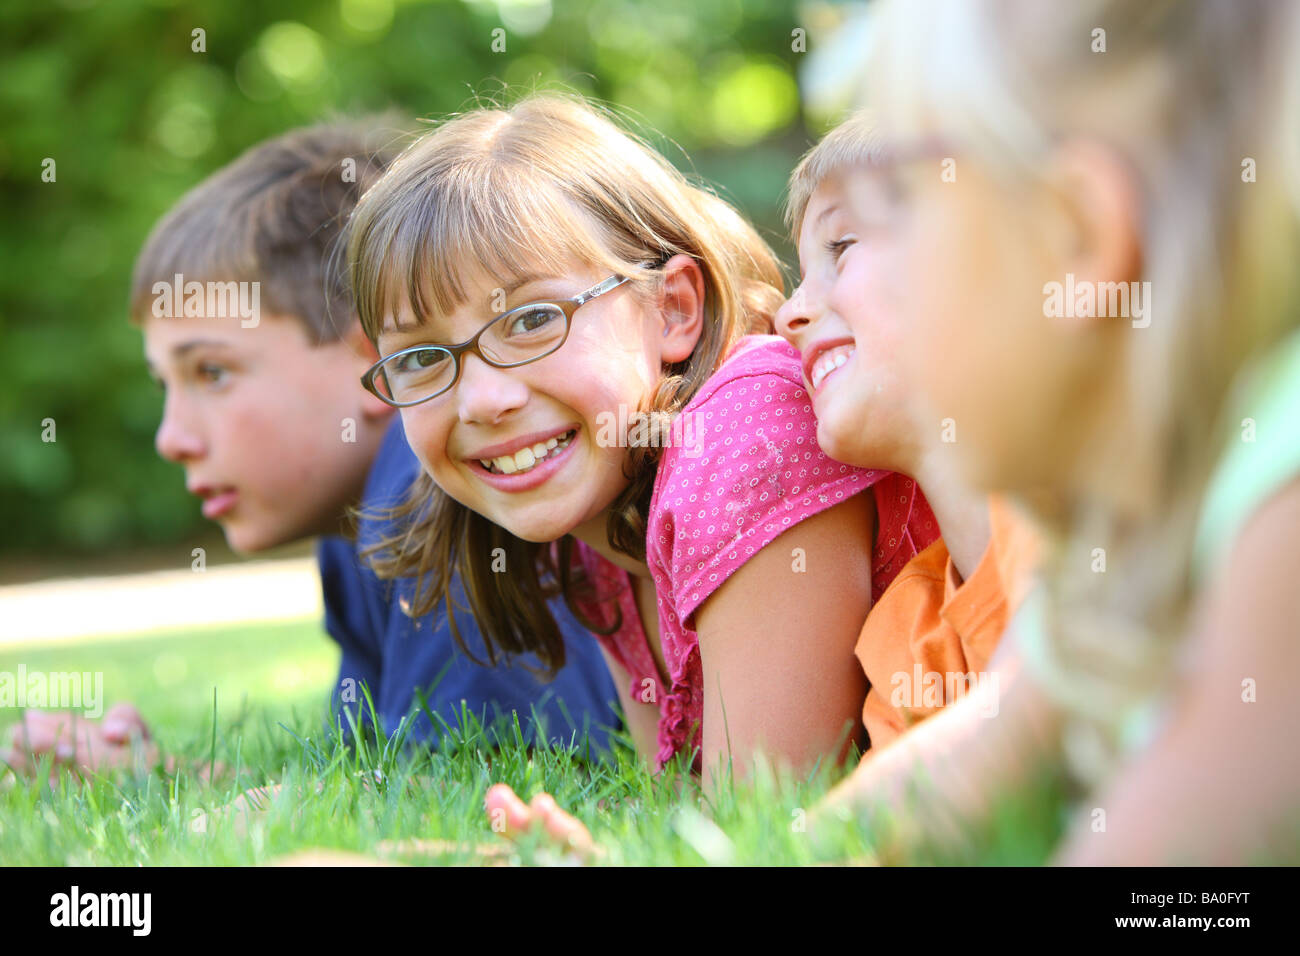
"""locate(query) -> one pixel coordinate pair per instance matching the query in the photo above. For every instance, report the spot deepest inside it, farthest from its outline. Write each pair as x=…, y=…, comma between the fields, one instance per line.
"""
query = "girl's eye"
x=422, y=360
x=533, y=320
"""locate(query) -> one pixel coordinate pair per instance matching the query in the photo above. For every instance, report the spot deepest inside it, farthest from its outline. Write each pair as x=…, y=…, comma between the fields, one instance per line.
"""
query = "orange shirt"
x=929, y=638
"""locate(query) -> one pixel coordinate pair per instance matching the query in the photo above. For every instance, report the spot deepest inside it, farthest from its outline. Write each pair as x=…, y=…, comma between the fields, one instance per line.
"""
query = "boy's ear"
x=681, y=306
x=359, y=344
x=1098, y=213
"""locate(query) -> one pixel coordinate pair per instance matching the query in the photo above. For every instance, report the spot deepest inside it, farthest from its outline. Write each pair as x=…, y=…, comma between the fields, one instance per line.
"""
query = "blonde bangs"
x=957, y=82
x=853, y=143
x=496, y=231
x=918, y=82
x=467, y=207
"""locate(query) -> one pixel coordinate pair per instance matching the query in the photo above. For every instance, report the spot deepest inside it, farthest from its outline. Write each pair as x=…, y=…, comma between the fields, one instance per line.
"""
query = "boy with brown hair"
x=250, y=333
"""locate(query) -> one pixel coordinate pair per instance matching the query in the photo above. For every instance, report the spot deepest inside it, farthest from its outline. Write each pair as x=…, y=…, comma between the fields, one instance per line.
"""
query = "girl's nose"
x=485, y=394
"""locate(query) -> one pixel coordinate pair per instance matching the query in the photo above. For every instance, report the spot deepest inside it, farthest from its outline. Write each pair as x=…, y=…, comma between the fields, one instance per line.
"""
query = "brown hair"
x=273, y=216
x=491, y=188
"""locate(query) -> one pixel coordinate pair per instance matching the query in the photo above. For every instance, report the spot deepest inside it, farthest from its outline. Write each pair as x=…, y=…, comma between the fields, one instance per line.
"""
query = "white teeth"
x=525, y=458
x=828, y=362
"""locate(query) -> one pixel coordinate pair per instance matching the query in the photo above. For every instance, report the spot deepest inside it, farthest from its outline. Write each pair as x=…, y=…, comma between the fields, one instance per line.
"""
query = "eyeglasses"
x=517, y=337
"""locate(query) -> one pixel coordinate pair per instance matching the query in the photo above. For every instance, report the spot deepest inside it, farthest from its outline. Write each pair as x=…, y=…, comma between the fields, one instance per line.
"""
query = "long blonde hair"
x=510, y=192
x=1186, y=92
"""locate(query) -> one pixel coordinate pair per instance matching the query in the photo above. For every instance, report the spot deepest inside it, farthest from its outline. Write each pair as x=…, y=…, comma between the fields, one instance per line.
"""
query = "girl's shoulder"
x=751, y=421
x=754, y=356
x=743, y=467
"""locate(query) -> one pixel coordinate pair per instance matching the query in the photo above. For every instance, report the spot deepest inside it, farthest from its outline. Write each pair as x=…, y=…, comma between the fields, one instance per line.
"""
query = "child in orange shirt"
x=929, y=639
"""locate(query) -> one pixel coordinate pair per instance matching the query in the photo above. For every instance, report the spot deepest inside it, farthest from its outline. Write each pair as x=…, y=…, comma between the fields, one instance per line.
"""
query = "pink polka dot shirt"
x=744, y=466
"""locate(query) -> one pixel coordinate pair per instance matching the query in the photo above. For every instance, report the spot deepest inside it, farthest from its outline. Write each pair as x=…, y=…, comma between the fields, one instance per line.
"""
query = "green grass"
x=271, y=684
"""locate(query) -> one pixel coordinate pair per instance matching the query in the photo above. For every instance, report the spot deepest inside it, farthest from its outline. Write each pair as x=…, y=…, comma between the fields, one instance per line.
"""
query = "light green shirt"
x=1262, y=454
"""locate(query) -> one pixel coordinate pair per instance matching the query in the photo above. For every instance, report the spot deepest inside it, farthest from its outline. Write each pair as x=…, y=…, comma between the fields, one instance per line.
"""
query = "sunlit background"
x=133, y=116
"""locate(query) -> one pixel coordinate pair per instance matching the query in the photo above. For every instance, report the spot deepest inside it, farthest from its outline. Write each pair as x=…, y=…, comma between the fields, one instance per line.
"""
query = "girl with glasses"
x=541, y=285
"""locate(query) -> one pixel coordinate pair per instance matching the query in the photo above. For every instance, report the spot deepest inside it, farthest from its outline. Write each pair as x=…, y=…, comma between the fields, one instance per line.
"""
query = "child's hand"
x=248, y=807
x=121, y=740
x=512, y=817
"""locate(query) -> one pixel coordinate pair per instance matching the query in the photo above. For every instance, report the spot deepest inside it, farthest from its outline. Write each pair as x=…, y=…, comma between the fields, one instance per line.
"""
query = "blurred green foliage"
x=132, y=116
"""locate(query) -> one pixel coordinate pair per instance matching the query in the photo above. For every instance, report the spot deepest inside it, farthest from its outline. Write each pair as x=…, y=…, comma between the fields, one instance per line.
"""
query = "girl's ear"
x=681, y=308
x=1098, y=213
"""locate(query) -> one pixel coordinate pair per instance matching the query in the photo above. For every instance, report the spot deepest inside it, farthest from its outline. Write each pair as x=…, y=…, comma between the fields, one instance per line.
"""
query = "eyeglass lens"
x=519, y=336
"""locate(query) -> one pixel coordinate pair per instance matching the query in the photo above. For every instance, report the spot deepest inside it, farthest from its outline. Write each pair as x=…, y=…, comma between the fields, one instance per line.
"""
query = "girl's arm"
x=1221, y=783
x=642, y=717
x=776, y=645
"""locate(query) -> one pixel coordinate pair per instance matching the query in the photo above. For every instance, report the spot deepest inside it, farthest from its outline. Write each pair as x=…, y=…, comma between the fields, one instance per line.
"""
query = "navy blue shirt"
x=396, y=656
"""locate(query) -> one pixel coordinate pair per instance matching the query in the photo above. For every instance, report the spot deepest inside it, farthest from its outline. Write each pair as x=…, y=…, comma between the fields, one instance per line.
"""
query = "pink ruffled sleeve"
x=754, y=471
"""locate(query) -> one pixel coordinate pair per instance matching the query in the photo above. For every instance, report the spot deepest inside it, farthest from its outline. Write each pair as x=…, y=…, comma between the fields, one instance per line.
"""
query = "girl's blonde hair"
x=527, y=190
x=1186, y=91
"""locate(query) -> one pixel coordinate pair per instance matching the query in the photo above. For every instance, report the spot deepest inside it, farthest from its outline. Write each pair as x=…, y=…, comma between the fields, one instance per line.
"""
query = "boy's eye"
x=836, y=247
x=212, y=374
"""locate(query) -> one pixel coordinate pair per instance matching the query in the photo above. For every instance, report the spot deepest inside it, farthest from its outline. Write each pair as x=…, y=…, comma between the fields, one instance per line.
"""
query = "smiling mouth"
x=828, y=362
x=526, y=459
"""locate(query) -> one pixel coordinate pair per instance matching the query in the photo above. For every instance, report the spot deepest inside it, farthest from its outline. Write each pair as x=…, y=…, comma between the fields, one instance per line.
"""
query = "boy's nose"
x=793, y=318
x=485, y=394
x=174, y=440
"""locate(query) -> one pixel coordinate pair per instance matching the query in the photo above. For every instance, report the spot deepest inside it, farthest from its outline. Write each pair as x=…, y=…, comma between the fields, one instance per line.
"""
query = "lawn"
x=386, y=801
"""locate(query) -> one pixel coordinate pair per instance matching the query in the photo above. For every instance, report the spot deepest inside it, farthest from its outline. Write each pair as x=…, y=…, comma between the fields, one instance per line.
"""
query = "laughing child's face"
x=844, y=319
x=528, y=447
x=920, y=319
x=258, y=417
